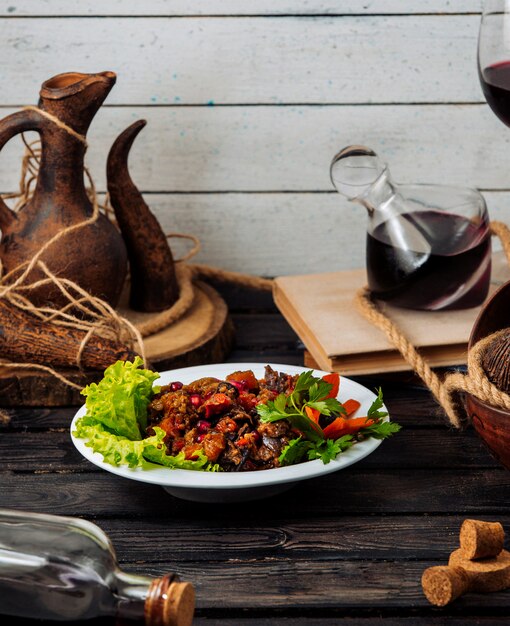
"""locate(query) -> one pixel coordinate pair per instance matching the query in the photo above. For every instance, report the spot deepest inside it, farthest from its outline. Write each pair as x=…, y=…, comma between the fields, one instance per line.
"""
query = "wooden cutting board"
x=203, y=335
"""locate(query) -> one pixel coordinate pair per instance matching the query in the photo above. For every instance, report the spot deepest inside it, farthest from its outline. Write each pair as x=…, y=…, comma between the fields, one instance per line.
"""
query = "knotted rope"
x=96, y=317
x=447, y=391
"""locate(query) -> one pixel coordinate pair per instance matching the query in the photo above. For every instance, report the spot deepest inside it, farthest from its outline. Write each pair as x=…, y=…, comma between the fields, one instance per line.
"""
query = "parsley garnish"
x=295, y=451
x=308, y=392
x=381, y=430
x=326, y=450
x=329, y=449
x=313, y=392
x=373, y=411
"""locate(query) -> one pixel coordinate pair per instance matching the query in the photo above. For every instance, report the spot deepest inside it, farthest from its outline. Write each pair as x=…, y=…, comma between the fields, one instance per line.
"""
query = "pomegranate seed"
x=238, y=385
x=256, y=436
x=203, y=426
x=196, y=400
x=175, y=386
x=200, y=438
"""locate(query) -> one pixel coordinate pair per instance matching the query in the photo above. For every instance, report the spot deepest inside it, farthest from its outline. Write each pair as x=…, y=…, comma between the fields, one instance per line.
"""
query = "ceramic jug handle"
x=10, y=126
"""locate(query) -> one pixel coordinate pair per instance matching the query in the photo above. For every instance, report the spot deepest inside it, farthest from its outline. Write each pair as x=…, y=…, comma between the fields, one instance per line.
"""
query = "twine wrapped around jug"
x=88, y=319
x=448, y=390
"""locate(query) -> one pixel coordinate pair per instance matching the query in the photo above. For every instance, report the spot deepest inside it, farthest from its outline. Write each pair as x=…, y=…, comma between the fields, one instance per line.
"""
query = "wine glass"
x=494, y=57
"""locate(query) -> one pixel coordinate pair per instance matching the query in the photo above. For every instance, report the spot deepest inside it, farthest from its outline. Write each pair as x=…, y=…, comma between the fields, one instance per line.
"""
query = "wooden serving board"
x=203, y=335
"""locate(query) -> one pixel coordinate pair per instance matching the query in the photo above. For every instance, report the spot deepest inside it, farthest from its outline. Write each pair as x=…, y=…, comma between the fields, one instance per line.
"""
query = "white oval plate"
x=238, y=486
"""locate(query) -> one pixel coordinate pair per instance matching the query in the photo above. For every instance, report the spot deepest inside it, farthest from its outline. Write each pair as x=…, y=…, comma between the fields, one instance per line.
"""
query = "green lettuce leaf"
x=156, y=452
x=119, y=401
x=118, y=450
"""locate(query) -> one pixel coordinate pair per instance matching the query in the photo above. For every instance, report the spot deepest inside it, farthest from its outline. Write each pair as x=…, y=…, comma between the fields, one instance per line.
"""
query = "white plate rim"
x=167, y=477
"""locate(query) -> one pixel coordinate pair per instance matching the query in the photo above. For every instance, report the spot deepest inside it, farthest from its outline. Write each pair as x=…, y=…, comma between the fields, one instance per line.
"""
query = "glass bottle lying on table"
x=64, y=569
x=428, y=246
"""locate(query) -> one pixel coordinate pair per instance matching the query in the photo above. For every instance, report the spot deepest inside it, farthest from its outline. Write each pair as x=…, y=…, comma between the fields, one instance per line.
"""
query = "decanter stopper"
x=357, y=172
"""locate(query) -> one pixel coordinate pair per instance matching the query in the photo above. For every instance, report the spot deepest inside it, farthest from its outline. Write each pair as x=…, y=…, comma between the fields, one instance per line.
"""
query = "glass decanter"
x=428, y=246
x=64, y=569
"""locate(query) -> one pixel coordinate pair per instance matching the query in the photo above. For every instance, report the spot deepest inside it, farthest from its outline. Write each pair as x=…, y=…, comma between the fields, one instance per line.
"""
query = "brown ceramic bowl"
x=490, y=423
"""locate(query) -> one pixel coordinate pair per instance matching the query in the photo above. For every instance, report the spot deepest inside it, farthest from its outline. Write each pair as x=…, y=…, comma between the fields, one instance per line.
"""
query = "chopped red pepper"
x=226, y=425
x=332, y=379
x=192, y=451
x=213, y=444
x=178, y=445
x=247, y=400
x=351, y=406
x=313, y=414
x=248, y=439
x=169, y=426
x=247, y=378
x=342, y=426
x=217, y=403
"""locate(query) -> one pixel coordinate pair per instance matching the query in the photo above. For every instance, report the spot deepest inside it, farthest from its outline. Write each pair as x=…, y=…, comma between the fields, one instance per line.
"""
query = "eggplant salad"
x=238, y=424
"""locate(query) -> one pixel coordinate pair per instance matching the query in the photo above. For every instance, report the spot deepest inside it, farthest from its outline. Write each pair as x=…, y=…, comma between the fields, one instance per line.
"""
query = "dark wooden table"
x=349, y=547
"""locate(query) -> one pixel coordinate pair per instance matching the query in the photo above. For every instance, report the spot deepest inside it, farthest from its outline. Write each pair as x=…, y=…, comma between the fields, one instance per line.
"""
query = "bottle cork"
x=442, y=584
x=481, y=540
x=169, y=602
x=486, y=575
x=480, y=564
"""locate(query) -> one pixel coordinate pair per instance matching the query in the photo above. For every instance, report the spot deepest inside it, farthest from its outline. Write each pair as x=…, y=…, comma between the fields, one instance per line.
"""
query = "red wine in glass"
x=495, y=81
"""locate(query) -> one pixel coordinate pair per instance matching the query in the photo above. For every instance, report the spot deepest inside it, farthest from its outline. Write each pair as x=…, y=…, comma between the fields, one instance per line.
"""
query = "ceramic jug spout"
x=75, y=97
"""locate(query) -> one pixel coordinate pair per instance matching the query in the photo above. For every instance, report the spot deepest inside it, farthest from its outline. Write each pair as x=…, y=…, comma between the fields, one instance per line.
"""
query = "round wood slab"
x=203, y=335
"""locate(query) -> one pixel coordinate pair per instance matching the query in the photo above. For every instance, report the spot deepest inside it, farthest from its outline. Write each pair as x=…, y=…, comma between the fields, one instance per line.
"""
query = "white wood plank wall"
x=248, y=100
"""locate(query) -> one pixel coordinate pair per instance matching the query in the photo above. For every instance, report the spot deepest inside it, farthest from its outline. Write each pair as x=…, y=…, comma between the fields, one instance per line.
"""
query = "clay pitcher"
x=94, y=256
